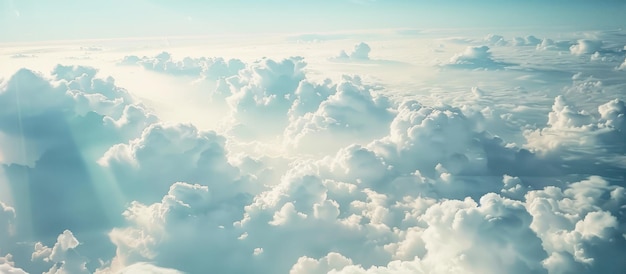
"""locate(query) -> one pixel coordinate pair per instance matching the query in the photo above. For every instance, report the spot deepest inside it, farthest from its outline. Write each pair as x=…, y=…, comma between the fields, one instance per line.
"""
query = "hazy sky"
x=310, y=137
x=29, y=20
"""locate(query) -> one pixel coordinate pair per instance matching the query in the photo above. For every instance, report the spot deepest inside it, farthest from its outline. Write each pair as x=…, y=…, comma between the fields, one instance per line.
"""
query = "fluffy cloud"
x=570, y=128
x=146, y=268
x=168, y=153
x=586, y=46
x=404, y=185
x=467, y=235
x=301, y=110
x=475, y=57
x=360, y=52
x=495, y=40
x=578, y=226
x=189, y=215
x=7, y=219
x=549, y=44
x=264, y=91
x=527, y=41
x=211, y=68
x=8, y=266
x=351, y=114
x=63, y=125
x=62, y=255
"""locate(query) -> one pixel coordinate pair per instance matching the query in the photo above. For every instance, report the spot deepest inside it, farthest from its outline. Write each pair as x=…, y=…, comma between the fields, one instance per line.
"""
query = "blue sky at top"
x=28, y=20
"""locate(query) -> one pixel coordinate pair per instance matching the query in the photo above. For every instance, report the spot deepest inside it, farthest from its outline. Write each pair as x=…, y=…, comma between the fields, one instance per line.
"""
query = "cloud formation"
x=211, y=68
x=360, y=178
x=475, y=57
x=360, y=52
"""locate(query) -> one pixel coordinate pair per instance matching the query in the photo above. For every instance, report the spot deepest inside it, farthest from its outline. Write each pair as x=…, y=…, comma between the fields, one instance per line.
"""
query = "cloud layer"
x=312, y=174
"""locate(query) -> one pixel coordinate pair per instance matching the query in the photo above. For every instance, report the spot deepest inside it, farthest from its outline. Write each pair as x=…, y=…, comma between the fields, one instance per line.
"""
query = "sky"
x=310, y=137
x=34, y=20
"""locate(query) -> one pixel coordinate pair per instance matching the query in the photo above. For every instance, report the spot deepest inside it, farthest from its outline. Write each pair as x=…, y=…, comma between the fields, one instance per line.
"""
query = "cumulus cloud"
x=549, y=44
x=586, y=46
x=527, y=41
x=409, y=185
x=168, y=153
x=145, y=268
x=360, y=52
x=495, y=40
x=300, y=108
x=578, y=225
x=461, y=233
x=61, y=255
x=189, y=215
x=352, y=112
x=211, y=68
x=8, y=266
x=571, y=128
x=60, y=122
x=264, y=91
x=475, y=57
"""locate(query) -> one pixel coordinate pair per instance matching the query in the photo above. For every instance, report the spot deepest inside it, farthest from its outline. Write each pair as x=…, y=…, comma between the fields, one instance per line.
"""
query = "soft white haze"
x=310, y=137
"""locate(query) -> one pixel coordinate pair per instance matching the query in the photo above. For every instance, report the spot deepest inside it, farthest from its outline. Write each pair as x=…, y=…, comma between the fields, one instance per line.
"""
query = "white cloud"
x=586, y=46
x=211, y=68
x=570, y=128
x=549, y=44
x=351, y=114
x=400, y=183
x=622, y=66
x=7, y=266
x=467, y=236
x=264, y=91
x=475, y=57
x=62, y=255
x=360, y=52
x=577, y=225
x=330, y=262
x=527, y=41
x=145, y=268
x=168, y=153
x=495, y=40
x=7, y=219
x=56, y=128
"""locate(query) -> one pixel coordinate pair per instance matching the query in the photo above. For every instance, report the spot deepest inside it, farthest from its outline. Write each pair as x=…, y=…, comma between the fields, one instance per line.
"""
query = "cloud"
x=527, y=41
x=360, y=52
x=495, y=40
x=549, y=44
x=189, y=215
x=62, y=255
x=7, y=219
x=578, y=225
x=62, y=125
x=211, y=68
x=264, y=91
x=146, y=268
x=8, y=266
x=20, y=55
x=475, y=57
x=570, y=128
x=461, y=233
x=622, y=66
x=398, y=185
x=586, y=46
x=351, y=114
x=168, y=153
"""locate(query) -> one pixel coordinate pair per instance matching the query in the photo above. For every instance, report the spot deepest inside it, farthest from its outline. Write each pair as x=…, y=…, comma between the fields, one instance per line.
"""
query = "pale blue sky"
x=28, y=20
